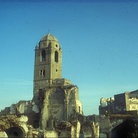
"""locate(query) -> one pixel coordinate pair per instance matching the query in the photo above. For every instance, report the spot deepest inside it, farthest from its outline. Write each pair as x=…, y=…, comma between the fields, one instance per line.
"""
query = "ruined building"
x=55, y=109
x=119, y=115
x=122, y=103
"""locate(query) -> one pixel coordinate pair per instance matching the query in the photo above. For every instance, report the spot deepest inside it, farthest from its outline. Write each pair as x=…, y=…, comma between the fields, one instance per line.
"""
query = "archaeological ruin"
x=55, y=110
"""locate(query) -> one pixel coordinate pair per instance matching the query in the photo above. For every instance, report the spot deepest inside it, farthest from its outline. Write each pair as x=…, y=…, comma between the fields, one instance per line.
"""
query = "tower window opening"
x=43, y=73
x=40, y=72
x=56, y=56
x=43, y=55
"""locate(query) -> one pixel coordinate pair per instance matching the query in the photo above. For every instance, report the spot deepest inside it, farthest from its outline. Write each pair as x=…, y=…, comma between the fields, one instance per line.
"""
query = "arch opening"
x=86, y=131
x=129, y=129
x=15, y=132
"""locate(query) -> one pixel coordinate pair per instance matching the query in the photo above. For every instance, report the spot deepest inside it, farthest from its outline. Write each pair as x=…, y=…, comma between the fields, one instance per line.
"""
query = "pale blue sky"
x=99, y=41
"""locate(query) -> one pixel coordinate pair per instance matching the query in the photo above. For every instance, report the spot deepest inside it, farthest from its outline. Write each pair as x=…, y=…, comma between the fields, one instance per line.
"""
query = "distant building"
x=121, y=104
x=116, y=113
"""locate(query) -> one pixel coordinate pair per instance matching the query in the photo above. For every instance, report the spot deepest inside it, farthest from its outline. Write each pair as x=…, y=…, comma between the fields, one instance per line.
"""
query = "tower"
x=55, y=97
x=48, y=63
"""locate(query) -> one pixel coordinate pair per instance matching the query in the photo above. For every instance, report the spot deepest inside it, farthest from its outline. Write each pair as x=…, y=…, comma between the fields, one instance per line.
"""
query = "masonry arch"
x=86, y=130
x=127, y=129
x=15, y=132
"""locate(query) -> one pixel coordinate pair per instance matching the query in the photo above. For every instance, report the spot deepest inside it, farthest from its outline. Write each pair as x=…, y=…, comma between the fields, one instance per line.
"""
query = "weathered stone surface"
x=3, y=134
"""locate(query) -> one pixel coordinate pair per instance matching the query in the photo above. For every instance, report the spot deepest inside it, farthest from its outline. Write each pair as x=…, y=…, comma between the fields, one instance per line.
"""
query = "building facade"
x=122, y=103
x=116, y=113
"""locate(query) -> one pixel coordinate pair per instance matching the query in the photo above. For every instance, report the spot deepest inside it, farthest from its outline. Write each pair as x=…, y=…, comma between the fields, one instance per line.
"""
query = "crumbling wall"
x=3, y=134
x=14, y=126
x=56, y=104
x=22, y=107
x=73, y=104
x=60, y=103
x=53, y=107
x=50, y=134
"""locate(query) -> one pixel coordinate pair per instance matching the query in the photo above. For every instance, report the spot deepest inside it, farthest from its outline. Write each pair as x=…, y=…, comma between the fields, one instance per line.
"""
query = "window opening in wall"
x=56, y=56
x=40, y=73
x=43, y=55
x=43, y=73
x=79, y=109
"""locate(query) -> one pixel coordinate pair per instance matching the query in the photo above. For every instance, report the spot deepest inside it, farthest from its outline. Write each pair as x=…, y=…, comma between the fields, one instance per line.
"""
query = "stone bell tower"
x=48, y=63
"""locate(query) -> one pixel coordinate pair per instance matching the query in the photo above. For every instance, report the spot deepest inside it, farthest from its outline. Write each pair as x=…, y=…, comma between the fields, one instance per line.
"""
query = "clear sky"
x=99, y=41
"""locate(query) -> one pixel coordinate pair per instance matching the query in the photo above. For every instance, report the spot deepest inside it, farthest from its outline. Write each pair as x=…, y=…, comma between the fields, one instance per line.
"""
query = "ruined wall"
x=57, y=109
x=14, y=126
x=60, y=103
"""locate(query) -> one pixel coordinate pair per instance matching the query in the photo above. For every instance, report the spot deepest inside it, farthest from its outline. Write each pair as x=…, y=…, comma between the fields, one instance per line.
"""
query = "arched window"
x=56, y=56
x=43, y=55
x=40, y=72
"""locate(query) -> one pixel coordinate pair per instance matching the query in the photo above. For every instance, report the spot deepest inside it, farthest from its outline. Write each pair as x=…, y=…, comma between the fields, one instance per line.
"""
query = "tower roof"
x=49, y=37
